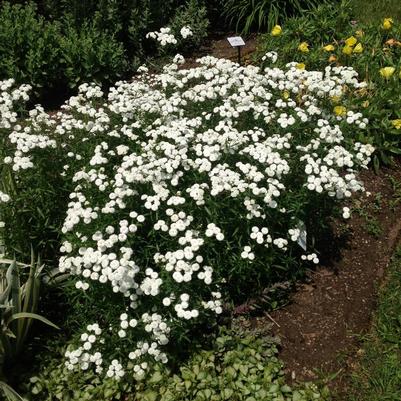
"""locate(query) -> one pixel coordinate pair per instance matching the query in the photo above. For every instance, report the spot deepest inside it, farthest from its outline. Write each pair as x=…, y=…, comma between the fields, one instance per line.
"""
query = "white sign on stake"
x=302, y=235
x=236, y=41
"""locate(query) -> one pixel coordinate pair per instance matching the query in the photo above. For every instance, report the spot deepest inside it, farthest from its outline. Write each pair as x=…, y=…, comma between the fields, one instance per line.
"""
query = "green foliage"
x=193, y=14
x=29, y=49
x=89, y=54
x=18, y=304
x=377, y=47
x=234, y=369
x=248, y=15
x=378, y=375
x=372, y=11
x=9, y=392
x=55, y=46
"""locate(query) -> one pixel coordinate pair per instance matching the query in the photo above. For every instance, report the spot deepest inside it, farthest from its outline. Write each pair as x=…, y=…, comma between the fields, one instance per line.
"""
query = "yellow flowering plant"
x=276, y=31
x=329, y=48
x=387, y=23
x=387, y=72
x=348, y=50
x=396, y=123
x=358, y=48
x=351, y=41
x=304, y=47
x=340, y=111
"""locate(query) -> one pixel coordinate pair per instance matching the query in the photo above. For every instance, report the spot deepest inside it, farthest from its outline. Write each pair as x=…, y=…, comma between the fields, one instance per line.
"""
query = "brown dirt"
x=218, y=46
x=319, y=329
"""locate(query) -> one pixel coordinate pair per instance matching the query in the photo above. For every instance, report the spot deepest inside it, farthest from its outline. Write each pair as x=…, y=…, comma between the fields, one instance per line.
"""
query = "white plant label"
x=302, y=235
x=236, y=41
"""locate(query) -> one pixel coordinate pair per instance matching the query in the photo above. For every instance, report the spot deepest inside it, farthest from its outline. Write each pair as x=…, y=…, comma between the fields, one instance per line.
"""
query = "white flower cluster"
x=9, y=98
x=186, y=32
x=184, y=178
x=164, y=36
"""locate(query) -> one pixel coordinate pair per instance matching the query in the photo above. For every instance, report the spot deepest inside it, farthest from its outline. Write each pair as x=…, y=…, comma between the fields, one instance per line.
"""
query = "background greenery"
x=332, y=24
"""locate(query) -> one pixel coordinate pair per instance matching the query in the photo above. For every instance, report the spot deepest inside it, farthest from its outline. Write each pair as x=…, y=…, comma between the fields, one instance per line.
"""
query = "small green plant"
x=371, y=223
x=396, y=188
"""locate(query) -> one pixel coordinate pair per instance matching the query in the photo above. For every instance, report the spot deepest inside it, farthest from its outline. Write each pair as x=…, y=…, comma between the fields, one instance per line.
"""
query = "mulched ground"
x=319, y=329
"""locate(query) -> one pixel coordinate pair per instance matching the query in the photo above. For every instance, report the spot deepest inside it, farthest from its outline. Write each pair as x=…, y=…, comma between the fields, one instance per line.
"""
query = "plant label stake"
x=237, y=42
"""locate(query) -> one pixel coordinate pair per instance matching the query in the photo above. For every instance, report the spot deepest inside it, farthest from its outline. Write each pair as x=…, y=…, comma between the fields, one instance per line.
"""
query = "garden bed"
x=321, y=327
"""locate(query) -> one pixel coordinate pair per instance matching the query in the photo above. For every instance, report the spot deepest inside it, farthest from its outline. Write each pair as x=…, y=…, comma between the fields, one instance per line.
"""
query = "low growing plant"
x=234, y=369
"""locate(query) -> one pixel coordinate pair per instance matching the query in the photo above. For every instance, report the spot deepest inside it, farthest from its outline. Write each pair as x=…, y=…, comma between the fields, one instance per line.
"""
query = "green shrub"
x=29, y=49
x=91, y=55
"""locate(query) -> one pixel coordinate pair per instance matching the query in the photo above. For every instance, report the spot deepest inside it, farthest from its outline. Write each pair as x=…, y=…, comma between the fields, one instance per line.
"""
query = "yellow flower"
x=286, y=95
x=365, y=104
x=329, y=48
x=396, y=123
x=303, y=47
x=387, y=72
x=300, y=66
x=276, y=31
x=332, y=58
x=358, y=48
x=351, y=41
x=359, y=34
x=340, y=111
x=387, y=23
x=335, y=99
x=347, y=50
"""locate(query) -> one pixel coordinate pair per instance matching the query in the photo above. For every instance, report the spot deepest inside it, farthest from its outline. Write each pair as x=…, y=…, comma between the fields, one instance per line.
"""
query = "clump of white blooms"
x=186, y=32
x=164, y=36
x=181, y=181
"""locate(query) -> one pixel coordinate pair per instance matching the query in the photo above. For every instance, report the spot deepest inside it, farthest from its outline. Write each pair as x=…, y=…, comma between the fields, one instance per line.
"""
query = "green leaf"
x=27, y=315
x=10, y=393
